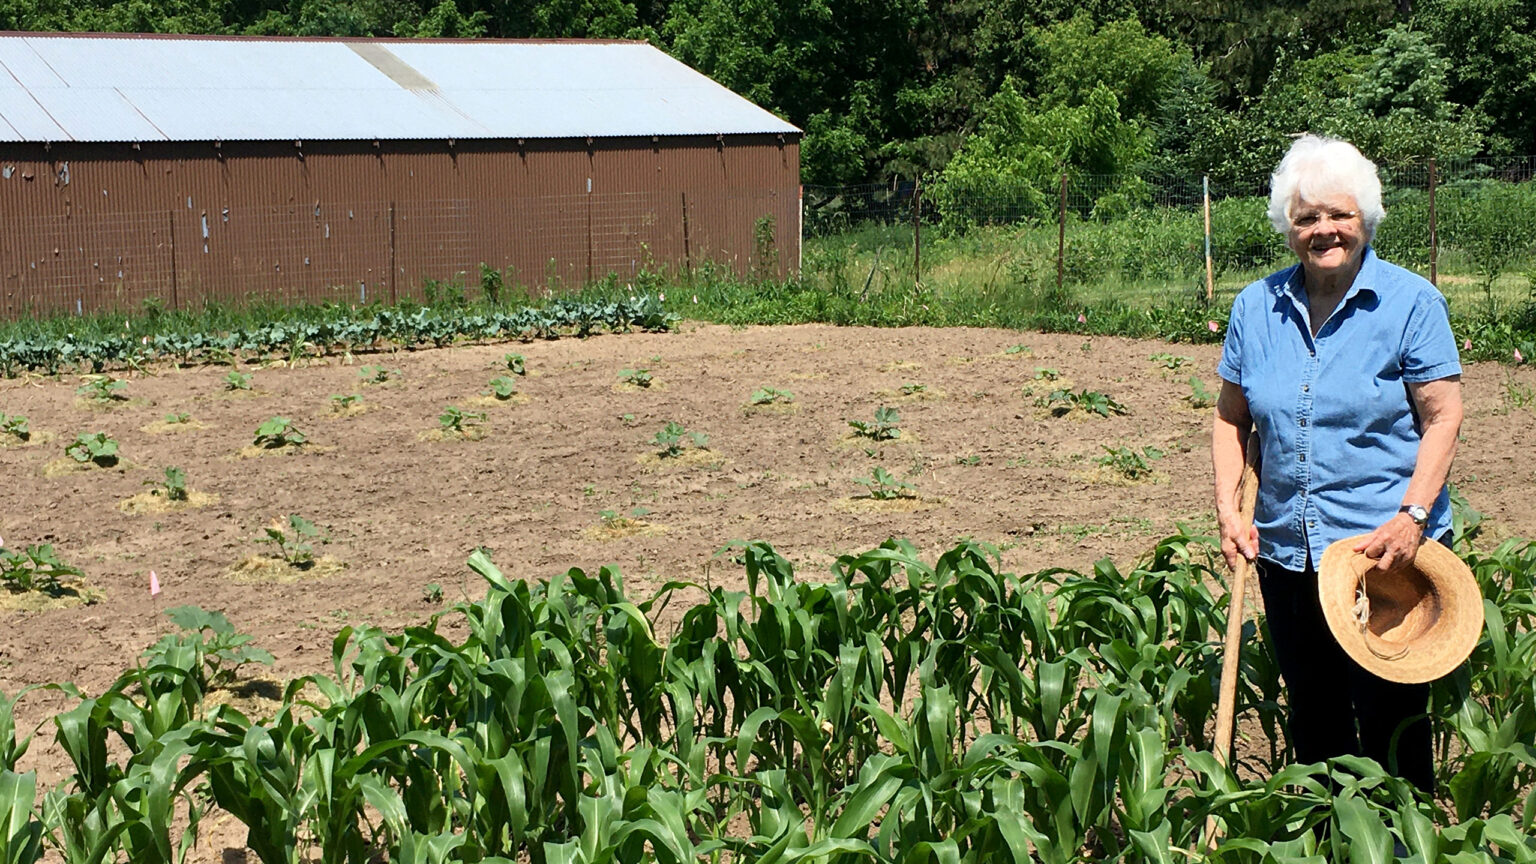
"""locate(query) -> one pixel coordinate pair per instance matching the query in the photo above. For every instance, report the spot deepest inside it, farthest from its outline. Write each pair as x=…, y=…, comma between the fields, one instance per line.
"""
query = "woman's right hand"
x=1239, y=540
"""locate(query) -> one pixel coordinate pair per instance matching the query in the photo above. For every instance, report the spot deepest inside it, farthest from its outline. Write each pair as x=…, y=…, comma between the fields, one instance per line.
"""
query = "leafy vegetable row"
x=345, y=333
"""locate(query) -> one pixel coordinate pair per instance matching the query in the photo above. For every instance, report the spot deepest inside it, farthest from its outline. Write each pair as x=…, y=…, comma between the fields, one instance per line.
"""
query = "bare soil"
x=402, y=507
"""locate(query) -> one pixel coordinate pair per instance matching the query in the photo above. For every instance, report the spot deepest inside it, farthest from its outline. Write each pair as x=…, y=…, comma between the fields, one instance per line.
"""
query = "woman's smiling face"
x=1327, y=234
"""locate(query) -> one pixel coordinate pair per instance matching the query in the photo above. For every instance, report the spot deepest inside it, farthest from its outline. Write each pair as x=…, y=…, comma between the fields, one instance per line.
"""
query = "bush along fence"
x=1477, y=218
x=900, y=712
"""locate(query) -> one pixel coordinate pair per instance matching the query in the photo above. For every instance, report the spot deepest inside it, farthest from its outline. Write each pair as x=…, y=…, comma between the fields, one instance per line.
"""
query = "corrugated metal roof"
x=57, y=87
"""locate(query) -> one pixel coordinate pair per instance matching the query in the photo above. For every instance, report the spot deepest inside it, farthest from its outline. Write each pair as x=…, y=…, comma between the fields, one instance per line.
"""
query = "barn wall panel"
x=97, y=227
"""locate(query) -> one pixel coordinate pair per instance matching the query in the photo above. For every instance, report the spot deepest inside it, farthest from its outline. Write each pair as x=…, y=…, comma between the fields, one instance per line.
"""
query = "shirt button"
x=1306, y=388
x=1301, y=422
x=1301, y=457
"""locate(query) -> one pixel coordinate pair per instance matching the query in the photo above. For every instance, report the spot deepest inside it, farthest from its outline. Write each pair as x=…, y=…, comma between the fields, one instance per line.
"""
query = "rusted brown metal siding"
x=93, y=226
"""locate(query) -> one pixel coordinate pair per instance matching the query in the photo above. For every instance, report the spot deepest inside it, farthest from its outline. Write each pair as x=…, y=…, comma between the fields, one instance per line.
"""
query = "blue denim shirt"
x=1339, y=433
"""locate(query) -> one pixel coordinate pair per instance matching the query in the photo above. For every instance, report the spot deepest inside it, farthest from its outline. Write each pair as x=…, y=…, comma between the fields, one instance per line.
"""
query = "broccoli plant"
x=15, y=426
x=173, y=487
x=209, y=635
x=37, y=568
x=883, y=429
x=294, y=543
x=671, y=440
x=96, y=449
x=278, y=432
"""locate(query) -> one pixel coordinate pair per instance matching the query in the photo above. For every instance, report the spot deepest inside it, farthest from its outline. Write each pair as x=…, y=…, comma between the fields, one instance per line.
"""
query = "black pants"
x=1336, y=707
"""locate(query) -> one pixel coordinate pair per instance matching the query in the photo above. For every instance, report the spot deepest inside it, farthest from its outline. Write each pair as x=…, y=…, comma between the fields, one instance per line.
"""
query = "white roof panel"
x=138, y=88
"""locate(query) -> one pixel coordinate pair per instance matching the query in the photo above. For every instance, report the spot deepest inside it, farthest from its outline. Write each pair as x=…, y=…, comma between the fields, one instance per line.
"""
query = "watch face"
x=1418, y=514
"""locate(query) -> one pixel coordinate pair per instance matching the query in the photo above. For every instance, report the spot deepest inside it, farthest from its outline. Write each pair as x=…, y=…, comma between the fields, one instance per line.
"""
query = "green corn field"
x=900, y=711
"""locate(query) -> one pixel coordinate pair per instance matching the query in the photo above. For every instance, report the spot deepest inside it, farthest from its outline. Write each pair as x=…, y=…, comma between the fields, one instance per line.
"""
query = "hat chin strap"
x=1362, y=616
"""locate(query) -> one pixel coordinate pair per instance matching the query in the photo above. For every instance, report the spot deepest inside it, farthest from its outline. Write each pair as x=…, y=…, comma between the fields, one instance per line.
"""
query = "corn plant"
x=237, y=381
x=1199, y=396
x=636, y=377
x=503, y=387
x=98, y=449
x=173, y=487
x=293, y=543
x=883, y=486
x=456, y=421
x=35, y=568
x=15, y=426
x=770, y=395
x=883, y=428
x=1128, y=463
x=102, y=389
x=516, y=364
x=276, y=433
x=672, y=437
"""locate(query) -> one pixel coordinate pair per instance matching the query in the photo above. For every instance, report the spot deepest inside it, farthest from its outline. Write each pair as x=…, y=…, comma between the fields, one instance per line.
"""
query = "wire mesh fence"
x=1474, y=219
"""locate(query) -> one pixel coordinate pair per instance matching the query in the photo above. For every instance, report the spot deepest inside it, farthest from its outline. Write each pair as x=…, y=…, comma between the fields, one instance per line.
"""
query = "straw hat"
x=1412, y=624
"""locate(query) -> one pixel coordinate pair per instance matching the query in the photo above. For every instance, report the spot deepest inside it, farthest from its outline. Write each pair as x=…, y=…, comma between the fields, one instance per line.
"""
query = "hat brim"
x=1424, y=617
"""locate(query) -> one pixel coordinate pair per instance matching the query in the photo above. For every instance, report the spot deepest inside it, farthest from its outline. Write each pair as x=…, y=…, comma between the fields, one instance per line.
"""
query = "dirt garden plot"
x=568, y=473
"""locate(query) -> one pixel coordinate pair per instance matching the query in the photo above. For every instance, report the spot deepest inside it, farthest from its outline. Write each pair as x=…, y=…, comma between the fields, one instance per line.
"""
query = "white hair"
x=1315, y=167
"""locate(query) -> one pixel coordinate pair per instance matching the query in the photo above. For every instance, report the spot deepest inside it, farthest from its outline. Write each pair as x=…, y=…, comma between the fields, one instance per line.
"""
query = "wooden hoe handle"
x=1226, y=704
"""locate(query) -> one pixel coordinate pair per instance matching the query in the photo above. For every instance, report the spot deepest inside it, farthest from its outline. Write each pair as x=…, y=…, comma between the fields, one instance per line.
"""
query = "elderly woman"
x=1346, y=367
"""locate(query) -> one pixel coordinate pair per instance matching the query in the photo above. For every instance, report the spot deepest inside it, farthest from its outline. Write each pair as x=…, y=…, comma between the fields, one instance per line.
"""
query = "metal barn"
x=305, y=170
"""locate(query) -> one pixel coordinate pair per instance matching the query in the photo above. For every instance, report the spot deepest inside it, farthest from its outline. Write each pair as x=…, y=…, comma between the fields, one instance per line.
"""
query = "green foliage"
x=377, y=375
x=883, y=428
x=97, y=448
x=237, y=381
x=1010, y=169
x=102, y=389
x=343, y=402
x=177, y=418
x=456, y=421
x=912, y=389
x=173, y=487
x=503, y=387
x=636, y=377
x=15, y=426
x=275, y=433
x=673, y=437
x=899, y=706
x=1128, y=463
x=432, y=593
x=1063, y=402
x=1018, y=349
x=211, y=637
x=1172, y=362
x=1199, y=396
x=770, y=395
x=516, y=364
x=294, y=543
x=35, y=568
x=1045, y=373
x=883, y=486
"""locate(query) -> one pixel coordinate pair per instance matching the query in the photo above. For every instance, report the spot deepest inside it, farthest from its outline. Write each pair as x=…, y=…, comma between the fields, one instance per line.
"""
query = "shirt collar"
x=1366, y=280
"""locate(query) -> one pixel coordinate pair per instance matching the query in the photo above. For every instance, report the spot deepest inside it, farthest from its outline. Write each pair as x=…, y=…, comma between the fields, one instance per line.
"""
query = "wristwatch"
x=1418, y=514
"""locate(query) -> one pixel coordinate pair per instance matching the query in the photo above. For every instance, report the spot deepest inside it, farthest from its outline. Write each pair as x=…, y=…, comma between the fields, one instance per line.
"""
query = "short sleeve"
x=1231, y=366
x=1429, y=346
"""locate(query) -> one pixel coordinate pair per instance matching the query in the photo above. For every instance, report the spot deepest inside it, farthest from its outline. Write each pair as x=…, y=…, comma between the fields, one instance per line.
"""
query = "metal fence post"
x=917, y=233
x=1210, y=270
x=1434, y=240
x=394, y=292
x=1061, y=239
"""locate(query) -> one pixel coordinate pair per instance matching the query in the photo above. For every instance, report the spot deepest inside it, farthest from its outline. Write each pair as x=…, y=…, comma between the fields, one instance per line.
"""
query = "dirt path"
x=403, y=511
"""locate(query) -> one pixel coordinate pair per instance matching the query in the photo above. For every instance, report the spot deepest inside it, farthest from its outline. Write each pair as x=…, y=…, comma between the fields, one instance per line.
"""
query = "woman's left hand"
x=1393, y=543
